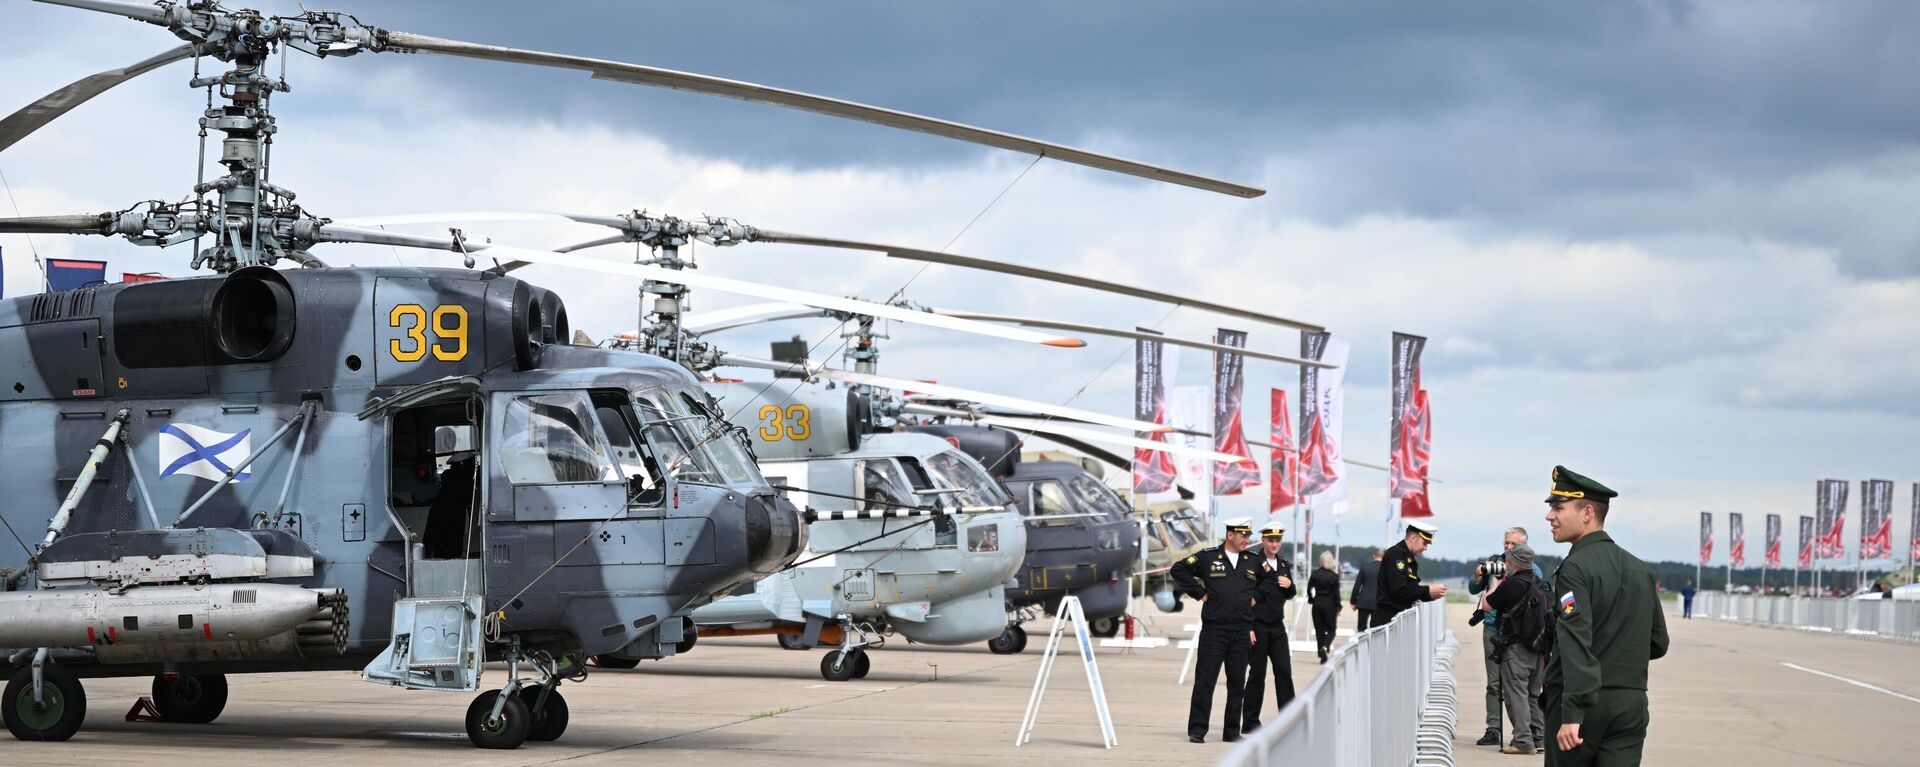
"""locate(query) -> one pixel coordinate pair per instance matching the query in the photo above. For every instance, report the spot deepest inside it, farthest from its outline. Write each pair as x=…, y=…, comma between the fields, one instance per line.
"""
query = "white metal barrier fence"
x=1386, y=698
x=1880, y=618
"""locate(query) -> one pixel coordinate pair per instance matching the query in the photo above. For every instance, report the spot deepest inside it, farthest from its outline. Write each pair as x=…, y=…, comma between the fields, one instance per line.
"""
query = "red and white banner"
x=1228, y=432
x=1736, y=541
x=1401, y=469
x=1830, y=518
x=1323, y=477
x=1876, y=519
x=1706, y=538
x=1153, y=470
x=1806, y=542
x=1283, y=487
x=1914, y=552
x=1773, y=542
x=1414, y=452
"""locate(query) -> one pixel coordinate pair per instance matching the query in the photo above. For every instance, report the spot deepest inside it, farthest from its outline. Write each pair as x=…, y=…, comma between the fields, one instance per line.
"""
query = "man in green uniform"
x=1609, y=626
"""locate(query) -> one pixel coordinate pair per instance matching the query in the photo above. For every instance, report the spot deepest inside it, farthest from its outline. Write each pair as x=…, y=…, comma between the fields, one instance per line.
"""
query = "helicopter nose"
x=774, y=533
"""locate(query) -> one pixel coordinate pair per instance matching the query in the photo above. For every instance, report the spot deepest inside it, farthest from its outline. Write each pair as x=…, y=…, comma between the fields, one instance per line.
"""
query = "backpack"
x=1530, y=624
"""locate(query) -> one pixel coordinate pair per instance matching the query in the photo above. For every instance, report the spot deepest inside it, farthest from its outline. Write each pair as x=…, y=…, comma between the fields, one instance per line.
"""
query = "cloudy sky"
x=1668, y=244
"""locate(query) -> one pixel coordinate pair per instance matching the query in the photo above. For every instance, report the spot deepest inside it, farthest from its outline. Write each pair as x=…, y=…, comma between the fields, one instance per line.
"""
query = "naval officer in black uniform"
x=1400, y=586
x=1269, y=629
x=1224, y=579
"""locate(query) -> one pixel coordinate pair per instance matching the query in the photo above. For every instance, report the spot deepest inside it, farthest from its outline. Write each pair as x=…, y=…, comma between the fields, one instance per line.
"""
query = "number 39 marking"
x=791, y=423
x=449, y=328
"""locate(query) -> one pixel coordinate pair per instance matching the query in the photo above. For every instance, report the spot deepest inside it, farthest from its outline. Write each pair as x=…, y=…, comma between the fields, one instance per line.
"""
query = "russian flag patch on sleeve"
x=1567, y=605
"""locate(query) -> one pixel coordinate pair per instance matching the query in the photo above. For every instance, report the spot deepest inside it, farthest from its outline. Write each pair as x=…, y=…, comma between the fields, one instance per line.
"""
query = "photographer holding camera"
x=1520, y=646
x=1486, y=577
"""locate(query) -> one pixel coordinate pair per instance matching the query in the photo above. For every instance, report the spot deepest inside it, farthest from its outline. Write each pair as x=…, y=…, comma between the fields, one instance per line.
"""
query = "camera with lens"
x=1476, y=617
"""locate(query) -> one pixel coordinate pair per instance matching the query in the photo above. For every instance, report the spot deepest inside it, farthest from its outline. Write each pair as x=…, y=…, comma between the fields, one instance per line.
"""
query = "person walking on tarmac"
x=1223, y=579
x=1270, y=629
x=1608, y=628
x=1400, y=586
x=1323, y=593
x=1366, y=591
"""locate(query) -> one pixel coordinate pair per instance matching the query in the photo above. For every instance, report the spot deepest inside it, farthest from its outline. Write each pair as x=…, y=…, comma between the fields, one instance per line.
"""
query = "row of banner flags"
x=1304, y=466
x=1821, y=535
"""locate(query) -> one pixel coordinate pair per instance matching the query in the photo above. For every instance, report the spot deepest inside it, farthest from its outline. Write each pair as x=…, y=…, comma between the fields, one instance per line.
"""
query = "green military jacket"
x=1610, y=625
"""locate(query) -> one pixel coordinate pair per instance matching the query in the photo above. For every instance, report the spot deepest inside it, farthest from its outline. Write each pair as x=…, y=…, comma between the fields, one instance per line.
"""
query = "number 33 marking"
x=791, y=423
x=449, y=328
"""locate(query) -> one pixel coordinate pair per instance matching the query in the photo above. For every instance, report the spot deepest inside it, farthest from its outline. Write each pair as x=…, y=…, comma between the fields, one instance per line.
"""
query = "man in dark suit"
x=1270, y=645
x=1366, y=591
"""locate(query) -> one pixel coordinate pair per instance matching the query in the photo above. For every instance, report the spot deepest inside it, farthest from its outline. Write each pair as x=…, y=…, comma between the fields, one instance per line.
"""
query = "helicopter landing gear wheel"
x=790, y=642
x=861, y=664
x=840, y=665
x=1105, y=628
x=1010, y=641
x=546, y=721
x=58, y=713
x=614, y=661
x=190, y=698
x=508, y=730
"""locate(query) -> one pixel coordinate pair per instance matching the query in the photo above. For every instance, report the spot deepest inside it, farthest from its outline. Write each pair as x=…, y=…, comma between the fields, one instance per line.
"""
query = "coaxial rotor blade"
x=1097, y=330
x=727, y=319
x=970, y=262
x=33, y=116
x=689, y=278
x=84, y=223
x=637, y=74
x=943, y=391
x=1044, y=427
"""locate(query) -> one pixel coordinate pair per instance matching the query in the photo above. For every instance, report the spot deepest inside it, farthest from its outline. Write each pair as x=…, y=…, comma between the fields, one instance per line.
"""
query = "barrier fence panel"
x=1385, y=698
x=1889, y=619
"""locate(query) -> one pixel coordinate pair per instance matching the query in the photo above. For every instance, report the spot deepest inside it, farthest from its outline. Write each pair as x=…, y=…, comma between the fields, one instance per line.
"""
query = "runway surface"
x=1738, y=694
x=1727, y=694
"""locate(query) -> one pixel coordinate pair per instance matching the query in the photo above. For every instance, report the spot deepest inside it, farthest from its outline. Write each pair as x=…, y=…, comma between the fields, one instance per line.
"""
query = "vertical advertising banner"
x=1736, y=541
x=1283, y=484
x=1406, y=381
x=1417, y=452
x=1706, y=538
x=1913, y=552
x=1190, y=413
x=1153, y=470
x=1830, y=518
x=1229, y=435
x=1876, y=519
x=1772, y=561
x=1806, y=543
x=1322, y=417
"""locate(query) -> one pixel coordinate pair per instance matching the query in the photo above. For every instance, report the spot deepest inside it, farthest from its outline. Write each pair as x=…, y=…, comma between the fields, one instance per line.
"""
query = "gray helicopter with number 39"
x=404, y=471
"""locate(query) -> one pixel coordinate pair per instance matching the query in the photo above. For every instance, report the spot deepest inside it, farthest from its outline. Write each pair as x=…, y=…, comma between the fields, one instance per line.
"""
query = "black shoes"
x=1232, y=737
x=1196, y=739
x=1492, y=738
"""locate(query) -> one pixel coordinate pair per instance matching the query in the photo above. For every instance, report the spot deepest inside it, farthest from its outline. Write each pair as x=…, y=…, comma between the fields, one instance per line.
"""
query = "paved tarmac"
x=730, y=701
x=1726, y=695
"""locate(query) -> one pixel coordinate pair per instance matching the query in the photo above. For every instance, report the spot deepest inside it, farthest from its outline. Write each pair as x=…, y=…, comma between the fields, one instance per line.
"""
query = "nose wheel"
x=842, y=665
x=54, y=715
x=1010, y=641
x=506, y=729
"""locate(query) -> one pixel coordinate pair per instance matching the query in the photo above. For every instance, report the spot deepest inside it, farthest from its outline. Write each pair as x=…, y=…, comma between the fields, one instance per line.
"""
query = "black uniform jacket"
x=1269, y=597
x=1229, y=589
x=1400, y=586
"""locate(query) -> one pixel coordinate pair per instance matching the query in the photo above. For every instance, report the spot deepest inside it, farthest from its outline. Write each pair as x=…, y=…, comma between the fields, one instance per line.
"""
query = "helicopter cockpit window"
x=553, y=438
x=1050, y=505
x=1180, y=532
x=1098, y=497
x=689, y=443
x=945, y=531
x=953, y=470
x=882, y=486
x=646, y=486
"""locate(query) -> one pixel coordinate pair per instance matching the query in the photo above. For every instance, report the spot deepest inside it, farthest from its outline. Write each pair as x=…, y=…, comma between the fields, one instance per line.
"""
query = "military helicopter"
x=489, y=501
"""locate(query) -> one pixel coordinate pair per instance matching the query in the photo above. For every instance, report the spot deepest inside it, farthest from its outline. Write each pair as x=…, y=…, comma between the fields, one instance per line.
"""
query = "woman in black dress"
x=1323, y=592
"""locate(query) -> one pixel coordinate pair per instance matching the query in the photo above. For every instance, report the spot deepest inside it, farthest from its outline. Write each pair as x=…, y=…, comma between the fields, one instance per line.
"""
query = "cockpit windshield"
x=689, y=441
x=1097, y=497
x=951, y=469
